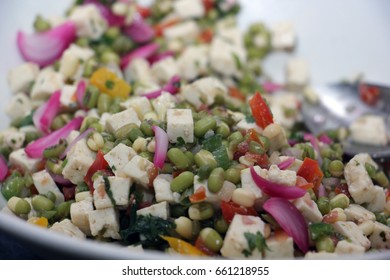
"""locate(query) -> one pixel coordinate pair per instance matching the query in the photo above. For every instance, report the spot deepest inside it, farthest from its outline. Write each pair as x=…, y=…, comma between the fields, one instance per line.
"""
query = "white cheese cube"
x=283, y=35
x=119, y=120
x=21, y=77
x=118, y=157
x=284, y=177
x=308, y=208
x=138, y=70
x=229, y=61
x=73, y=60
x=89, y=22
x=277, y=136
x=68, y=98
x=322, y=255
x=232, y=35
x=187, y=9
x=193, y=62
x=19, y=106
x=244, y=125
x=162, y=188
x=358, y=214
x=248, y=183
x=14, y=139
x=86, y=195
x=187, y=31
x=351, y=231
x=80, y=158
x=297, y=73
x=139, y=103
x=139, y=168
x=204, y=90
x=66, y=227
x=379, y=201
x=20, y=158
x=79, y=213
x=370, y=130
x=46, y=84
x=101, y=199
x=180, y=124
x=160, y=210
x=359, y=183
x=280, y=246
x=285, y=109
x=162, y=103
x=345, y=247
x=380, y=238
x=120, y=189
x=235, y=242
x=44, y=183
x=105, y=222
x=163, y=70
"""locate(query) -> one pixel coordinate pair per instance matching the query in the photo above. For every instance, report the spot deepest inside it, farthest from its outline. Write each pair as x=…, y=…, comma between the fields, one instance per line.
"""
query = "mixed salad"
x=155, y=128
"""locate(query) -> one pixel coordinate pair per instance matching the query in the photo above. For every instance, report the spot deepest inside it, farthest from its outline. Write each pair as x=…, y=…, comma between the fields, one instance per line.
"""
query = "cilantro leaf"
x=255, y=241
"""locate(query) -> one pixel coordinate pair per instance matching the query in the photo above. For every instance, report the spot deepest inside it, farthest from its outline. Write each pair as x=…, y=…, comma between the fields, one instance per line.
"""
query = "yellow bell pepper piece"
x=42, y=221
x=108, y=82
x=182, y=246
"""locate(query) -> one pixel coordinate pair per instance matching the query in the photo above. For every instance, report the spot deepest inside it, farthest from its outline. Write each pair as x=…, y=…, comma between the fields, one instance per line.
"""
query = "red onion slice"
x=78, y=138
x=139, y=31
x=325, y=139
x=160, y=56
x=46, y=47
x=161, y=146
x=35, y=149
x=290, y=220
x=142, y=52
x=286, y=163
x=172, y=87
x=80, y=92
x=275, y=189
x=271, y=87
x=3, y=168
x=45, y=114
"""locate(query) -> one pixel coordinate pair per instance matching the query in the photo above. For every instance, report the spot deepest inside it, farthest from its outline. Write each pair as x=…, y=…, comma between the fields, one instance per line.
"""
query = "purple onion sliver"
x=78, y=138
x=139, y=31
x=3, y=168
x=286, y=163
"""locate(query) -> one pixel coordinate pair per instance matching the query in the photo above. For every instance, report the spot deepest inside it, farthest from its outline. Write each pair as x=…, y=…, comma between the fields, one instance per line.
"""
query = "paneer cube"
x=73, y=60
x=204, y=90
x=89, y=21
x=277, y=136
x=79, y=213
x=283, y=36
x=351, y=231
x=358, y=214
x=162, y=188
x=21, y=77
x=47, y=82
x=162, y=103
x=235, y=244
x=280, y=246
x=360, y=185
x=68, y=228
x=379, y=201
x=165, y=69
x=346, y=247
x=224, y=194
x=119, y=120
x=187, y=9
x=308, y=208
x=120, y=189
x=284, y=177
x=139, y=169
x=180, y=124
x=139, y=70
x=380, y=238
x=80, y=158
x=140, y=104
x=21, y=159
x=187, y=32
x=67, y=98
x=228, y=61
x=248, y=183
x=14, y=139
x=101, y=199
x=193, y=62
x=370, y=130
x=160, y=210
x=118, y=157
x=297, y=73
x=104, y=222
x=19, y=106
x=44, y=183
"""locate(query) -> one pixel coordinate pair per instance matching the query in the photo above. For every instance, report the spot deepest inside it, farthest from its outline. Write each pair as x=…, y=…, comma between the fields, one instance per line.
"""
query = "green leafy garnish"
x=214, y=145
x=108, y=190
x=255, y=241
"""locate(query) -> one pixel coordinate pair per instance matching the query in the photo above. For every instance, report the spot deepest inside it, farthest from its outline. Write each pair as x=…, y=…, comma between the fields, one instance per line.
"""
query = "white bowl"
x=338, y=39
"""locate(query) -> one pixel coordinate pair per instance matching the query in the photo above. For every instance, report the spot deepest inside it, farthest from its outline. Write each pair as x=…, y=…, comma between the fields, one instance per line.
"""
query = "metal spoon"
x=339, y=105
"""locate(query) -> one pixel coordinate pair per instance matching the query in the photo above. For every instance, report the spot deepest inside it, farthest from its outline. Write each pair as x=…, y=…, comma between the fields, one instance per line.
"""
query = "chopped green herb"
x=110, y=84
x=255, y=241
